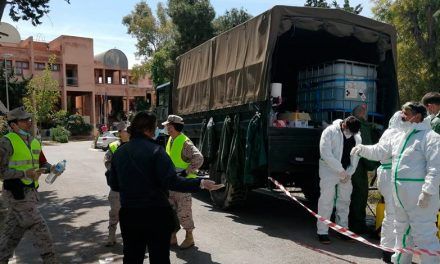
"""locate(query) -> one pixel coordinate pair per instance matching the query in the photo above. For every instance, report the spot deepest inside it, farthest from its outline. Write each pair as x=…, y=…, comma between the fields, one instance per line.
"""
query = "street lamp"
x=7, y=56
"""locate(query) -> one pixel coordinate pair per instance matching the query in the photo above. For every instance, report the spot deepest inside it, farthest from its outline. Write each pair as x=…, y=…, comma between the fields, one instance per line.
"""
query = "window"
x=19, y=66
x=18, y=71
x=22, y=64
x=71, y=72
x=8, y=64
x=162, y=98
x=100, y=79
x=40, y=65
x=109, y=80
x=55, y=67
x=124, y=80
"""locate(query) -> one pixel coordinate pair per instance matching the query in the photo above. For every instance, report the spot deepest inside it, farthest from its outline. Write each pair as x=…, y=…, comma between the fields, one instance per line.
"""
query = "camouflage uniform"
x=23, y=215
x=182, y=202
x=435, y=123
x=115, y=203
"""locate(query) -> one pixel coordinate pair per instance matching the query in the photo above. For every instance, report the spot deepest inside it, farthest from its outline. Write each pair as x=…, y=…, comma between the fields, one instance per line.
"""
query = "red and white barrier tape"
x=352, y=235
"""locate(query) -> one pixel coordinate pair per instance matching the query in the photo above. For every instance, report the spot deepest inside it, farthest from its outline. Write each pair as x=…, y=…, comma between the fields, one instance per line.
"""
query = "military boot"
x=111, y=241
x=189, y=240
x=173, y=241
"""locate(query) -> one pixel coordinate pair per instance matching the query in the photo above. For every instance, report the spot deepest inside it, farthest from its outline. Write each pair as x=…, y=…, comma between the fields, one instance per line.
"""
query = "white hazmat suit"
x=415, y=176
x=384, y=180
x=333, y=191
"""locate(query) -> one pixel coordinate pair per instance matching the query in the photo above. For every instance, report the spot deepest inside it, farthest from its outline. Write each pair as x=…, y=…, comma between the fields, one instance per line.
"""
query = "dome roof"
x=113, y=59
x=9, y=33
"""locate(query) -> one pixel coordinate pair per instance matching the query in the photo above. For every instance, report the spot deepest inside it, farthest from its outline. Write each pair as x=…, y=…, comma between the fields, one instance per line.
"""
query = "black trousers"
x=146, y=227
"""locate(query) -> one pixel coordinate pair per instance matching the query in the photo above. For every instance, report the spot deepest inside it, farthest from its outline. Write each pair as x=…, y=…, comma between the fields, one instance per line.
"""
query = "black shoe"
x=324, y=239
x=386, y=256
x=344, y=237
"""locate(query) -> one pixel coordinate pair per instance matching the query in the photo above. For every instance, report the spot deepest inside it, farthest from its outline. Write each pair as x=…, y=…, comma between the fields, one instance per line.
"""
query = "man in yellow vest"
x=113, y=196
x=21, y=164
x=187, y=159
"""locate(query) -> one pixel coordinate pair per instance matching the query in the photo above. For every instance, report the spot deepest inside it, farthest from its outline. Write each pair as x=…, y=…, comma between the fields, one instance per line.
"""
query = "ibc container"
x=339, y=85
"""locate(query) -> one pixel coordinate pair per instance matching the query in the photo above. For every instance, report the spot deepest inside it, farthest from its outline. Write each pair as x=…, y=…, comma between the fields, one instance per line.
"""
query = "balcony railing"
x=72, y=81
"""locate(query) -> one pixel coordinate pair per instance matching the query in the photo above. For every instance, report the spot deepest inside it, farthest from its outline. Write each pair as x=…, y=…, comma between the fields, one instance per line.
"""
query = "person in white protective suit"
x=335, y=170
x=385, y=185
x=416, y=178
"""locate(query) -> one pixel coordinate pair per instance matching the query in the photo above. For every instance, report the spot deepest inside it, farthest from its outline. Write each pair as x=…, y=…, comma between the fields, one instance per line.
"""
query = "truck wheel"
x=222, y=197
x=227, y=197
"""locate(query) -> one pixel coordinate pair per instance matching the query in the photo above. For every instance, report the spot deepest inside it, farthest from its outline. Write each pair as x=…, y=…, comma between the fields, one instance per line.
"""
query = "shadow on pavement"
x=74, y=242
x=284, y=219
x=193, y=255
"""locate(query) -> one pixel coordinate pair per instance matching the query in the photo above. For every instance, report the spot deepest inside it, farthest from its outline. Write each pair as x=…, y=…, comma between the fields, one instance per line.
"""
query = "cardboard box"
x=294, y=116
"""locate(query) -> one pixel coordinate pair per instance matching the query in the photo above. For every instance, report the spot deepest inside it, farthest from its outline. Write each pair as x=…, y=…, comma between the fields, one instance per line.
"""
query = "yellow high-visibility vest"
x=175, y=153
x=114, y=146
x=23, y=157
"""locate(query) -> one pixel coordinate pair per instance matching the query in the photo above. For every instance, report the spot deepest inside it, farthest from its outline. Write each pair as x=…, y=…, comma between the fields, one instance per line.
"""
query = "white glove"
x=356, y=150
x=210, y=185
x=344, y=176
x=424, y=199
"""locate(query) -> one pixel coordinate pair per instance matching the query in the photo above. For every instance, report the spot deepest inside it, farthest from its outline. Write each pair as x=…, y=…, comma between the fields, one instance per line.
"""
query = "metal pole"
x=7, y=89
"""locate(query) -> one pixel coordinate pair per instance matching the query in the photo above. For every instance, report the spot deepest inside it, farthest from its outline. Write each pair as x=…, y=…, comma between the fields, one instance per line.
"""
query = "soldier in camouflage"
x=113, y=197
x=432, y=102
x=187, y=159
x=21, y=164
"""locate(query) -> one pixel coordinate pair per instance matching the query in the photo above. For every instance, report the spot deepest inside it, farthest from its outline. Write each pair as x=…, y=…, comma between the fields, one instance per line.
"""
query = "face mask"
x=404, y=126
x=23, y=133
x=156, y=133
x=347, y=133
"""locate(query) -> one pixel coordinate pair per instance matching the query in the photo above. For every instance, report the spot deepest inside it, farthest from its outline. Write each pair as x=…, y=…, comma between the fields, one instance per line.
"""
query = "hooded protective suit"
x=334, y=192
x=385, y=183
x=415, y=162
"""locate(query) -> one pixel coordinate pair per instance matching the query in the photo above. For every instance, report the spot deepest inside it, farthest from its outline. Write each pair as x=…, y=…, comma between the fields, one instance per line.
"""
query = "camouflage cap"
x=18, y=113
x=121, y=126
x=175, y=119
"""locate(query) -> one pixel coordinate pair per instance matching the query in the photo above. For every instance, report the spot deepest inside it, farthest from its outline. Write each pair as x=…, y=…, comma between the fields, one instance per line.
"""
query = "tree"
x=16, y=88
x=151, y=32
x=317, y=3
x=42, y=95
x=193, y=21
x=346, y=6
x=418, y=26
x=176, y=29
x=230, y=19
x=155, y=40
x=26, y=10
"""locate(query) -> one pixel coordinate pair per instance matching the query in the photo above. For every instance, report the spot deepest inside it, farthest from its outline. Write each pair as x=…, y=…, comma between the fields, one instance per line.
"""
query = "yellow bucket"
x=380, y=212
x=438, y=224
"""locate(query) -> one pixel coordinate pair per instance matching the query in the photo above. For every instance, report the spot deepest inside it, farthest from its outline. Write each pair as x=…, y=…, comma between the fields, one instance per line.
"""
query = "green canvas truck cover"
x=232, y=68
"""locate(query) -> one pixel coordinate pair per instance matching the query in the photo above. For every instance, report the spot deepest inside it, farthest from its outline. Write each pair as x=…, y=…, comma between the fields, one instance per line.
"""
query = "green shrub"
x=60, y=118
x=60, y=134
x=77, y=127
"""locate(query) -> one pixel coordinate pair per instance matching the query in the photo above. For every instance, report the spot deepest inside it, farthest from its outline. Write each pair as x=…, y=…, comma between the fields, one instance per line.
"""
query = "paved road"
x=266, y=230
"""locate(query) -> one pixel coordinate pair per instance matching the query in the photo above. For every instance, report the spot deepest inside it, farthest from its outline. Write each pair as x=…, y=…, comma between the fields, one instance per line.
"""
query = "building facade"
x=97, y=87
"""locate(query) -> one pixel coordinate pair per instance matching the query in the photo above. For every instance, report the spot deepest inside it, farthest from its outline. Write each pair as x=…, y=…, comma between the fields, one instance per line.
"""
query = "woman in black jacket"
x=142, y=173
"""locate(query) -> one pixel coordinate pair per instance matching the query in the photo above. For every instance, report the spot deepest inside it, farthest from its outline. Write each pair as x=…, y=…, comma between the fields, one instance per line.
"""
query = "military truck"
x=295, y=47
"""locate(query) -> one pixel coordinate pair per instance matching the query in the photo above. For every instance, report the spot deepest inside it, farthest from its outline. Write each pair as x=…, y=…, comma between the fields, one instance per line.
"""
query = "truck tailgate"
x=293, y=149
